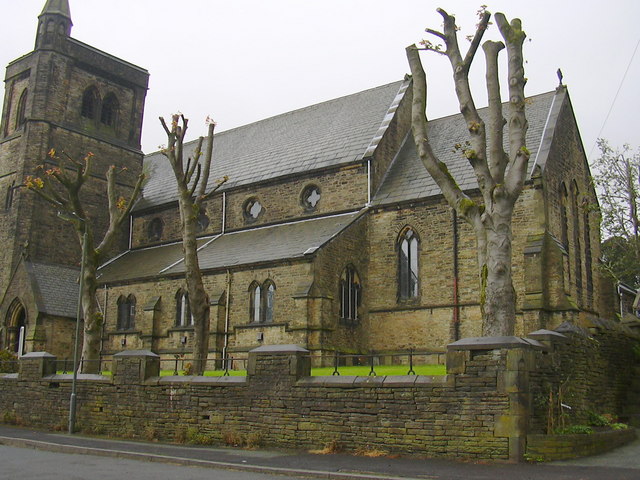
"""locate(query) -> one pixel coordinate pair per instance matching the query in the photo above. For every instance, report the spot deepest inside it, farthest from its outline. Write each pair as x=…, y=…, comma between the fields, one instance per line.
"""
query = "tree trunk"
x=498, y=297
x=198, y=299
x=92, y=318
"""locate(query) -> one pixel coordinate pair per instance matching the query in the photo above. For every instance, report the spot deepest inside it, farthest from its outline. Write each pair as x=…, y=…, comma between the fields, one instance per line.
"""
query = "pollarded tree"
x=617, y=178
x=500, y=175
x=192, y=178
x=63, y=189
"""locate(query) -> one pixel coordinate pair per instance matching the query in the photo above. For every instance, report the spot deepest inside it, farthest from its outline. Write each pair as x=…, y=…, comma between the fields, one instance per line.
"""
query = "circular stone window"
x=310, y=197
x=202, y=222
x=252, y=209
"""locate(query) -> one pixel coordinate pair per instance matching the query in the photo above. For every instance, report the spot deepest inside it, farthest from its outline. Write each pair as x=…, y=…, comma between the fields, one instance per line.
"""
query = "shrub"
x=198, y=438
x=8, y=362
x=232, y=438
x=575, y=429
x=180, y=435
x=598, y=420
x=619, y=426
x=254, y=440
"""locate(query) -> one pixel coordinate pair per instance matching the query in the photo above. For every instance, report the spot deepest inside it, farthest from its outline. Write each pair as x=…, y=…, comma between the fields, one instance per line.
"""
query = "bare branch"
x=207, y=165
x=480, y=29
x=219, y=184
x=438, y=170
x=498, y=159
x=518, y=154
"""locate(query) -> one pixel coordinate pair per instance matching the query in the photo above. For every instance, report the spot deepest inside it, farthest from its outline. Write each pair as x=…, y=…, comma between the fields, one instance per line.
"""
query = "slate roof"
x=142, y=263
x=332, y=133
x=262, y=244
x=56, y=288
x=408, y=179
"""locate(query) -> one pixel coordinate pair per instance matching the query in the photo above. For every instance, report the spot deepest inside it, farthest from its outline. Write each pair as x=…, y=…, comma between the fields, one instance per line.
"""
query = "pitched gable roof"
x=324, y=135
x=262, y=244
x=55, y=288
x=408, y=179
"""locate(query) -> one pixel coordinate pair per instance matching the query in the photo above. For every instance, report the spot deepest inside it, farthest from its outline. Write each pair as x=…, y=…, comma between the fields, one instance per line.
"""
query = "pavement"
x=620, y=464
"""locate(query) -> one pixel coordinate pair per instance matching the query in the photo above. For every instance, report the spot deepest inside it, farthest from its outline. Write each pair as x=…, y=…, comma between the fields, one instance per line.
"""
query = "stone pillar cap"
x=136, y=353
x=38, y=355
x=494, y=343
x=274, y=349
x=550, y=335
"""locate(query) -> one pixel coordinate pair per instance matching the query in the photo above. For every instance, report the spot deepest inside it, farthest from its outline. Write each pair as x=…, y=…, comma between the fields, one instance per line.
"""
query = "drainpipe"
x=224, y=211
x=456, y=306
x=226, y=317
x=130, y=231
x=369, y=181
x=104, y=317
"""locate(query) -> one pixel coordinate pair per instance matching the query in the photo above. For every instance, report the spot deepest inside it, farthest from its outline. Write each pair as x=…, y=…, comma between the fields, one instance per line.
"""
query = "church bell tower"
x=74, y=98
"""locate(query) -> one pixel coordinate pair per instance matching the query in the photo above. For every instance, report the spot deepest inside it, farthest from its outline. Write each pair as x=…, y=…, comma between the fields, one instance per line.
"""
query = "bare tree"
x=617, y=178
x=62, y=189
x=192, y=179
x=500, y=175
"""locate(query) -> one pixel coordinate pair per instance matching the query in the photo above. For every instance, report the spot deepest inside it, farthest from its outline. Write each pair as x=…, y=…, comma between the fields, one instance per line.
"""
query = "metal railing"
x=181, y=365
x=410, y=359
x=65, y=366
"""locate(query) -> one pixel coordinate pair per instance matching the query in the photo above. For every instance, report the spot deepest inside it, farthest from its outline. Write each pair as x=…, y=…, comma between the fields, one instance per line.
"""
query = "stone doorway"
x=16, y=321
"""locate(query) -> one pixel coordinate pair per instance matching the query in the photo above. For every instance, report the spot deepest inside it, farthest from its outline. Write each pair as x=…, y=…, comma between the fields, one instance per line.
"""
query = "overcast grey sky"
x=244, y=60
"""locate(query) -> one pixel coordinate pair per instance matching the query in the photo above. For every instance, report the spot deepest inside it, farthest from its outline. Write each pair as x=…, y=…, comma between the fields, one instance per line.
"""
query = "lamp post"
x=72, y=400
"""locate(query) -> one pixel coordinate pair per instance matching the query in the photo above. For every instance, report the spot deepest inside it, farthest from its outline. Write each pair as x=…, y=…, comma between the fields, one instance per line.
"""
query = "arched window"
x=109, y=112
x=587, y=249
x=8, y=199
x=564, y=227
x=576, y=238
x=269, y=294
x=408, y=264
x=126, y=312
x=90, y=103
x=255, y=292
x=154, y=230
x=21, y=113
x=261, y=301
x=183, y=310
x=350, y=294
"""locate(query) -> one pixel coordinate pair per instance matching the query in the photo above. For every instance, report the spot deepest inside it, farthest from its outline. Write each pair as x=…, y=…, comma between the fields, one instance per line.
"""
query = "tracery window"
x=350, y=294
x=262, y=299
x=21, y=114
x=109, y=112
x=408, y=273
x=183, y=310
x=126, y=312
x=576, y=238
x=252, y=209
x=310, y=197
x=90, y=103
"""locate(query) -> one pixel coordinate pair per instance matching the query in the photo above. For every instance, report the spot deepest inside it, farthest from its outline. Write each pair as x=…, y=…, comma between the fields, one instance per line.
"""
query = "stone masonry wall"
x=278, y=403
x=593, y=368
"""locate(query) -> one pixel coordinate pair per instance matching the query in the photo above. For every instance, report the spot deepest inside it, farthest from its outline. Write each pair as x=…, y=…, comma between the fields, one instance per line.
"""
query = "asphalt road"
x=25, y=463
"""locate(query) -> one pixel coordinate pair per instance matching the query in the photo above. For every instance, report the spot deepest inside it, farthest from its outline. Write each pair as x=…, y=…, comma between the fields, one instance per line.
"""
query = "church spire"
x=54, y=23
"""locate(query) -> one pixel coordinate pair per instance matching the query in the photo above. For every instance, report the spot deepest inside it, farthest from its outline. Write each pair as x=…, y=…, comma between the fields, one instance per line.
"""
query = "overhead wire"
x=606, y=118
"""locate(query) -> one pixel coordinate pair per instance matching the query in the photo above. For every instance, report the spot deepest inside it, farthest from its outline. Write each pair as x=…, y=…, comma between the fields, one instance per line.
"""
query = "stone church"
x=329, y=234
